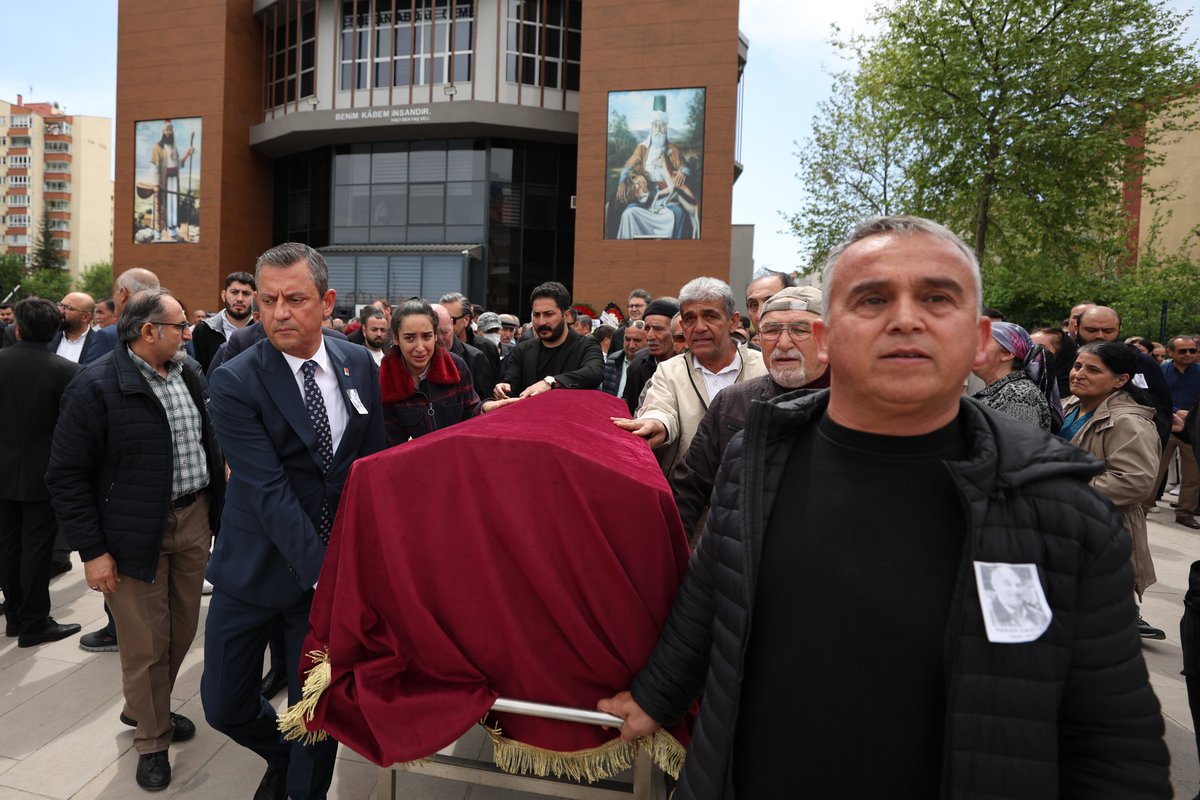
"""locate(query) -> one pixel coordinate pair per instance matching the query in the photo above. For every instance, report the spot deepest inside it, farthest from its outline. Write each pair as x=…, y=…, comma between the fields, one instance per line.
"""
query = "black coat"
x=111, y=467
x=34, y=381
x=612, y=371
x=583, y=369
x=640, y=371
x=483, y=377
x=1068, y=715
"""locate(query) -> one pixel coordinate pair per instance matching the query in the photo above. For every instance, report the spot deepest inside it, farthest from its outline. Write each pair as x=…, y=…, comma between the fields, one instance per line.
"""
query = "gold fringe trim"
x=293, y=723
x=591, y=765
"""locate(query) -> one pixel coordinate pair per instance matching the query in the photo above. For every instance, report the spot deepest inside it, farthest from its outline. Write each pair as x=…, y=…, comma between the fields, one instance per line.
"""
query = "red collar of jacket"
x=396, y=385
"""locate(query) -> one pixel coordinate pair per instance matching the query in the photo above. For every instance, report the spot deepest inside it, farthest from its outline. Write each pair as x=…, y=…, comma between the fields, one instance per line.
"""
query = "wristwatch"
x=550, y=380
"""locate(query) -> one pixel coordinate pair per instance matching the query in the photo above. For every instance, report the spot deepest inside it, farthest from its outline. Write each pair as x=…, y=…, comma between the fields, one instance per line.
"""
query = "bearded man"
x=211, y=332
x=785, y=330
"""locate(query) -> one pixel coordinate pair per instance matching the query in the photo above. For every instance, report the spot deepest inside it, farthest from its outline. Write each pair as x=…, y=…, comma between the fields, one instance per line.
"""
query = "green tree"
x=44, y=250
x=1023, y=119
x=96, y=280
x=12, y=272
x=52, y=284
x=853, y=164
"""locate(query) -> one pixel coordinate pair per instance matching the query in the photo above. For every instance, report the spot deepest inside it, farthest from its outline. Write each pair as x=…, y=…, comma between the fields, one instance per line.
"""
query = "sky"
x=787, y=74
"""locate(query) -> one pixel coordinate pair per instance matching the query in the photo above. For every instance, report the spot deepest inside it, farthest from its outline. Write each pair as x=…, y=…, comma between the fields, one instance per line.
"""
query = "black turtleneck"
x=842, y=691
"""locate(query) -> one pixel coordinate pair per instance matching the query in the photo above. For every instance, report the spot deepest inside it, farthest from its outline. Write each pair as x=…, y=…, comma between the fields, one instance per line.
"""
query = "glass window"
x=465, y=165
x=390, y=164
x=353, y=167
x=465, y=203
x=427, y=164
x=351, y=205
x=350, y=235
x=535, y=45
x=442, y=274
x=426, y=203
x=502, y=164
x=341, y=274
x=389, y=204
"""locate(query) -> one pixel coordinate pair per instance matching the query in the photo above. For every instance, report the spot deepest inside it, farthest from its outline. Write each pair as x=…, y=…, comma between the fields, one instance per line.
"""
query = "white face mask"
x=494, y=338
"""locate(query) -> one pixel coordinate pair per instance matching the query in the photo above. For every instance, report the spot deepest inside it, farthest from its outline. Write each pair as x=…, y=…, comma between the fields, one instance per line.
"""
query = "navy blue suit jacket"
x=97, y=343
x=268, y=552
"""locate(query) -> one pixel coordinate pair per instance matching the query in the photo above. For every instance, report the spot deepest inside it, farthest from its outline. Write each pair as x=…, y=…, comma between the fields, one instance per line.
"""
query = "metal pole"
x=9, y=296
x=557, y=712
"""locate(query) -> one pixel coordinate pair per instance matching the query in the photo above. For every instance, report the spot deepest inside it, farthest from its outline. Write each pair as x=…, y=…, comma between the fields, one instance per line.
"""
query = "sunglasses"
x=1186, y=351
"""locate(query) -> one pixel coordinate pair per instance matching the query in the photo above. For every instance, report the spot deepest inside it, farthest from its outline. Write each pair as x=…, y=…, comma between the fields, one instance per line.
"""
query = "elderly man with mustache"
x=785, y=330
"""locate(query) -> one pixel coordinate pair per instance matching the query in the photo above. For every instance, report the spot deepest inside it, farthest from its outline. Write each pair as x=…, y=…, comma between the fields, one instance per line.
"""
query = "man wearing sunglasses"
x=137, y=482
x=1183, y=379
x=788, y=348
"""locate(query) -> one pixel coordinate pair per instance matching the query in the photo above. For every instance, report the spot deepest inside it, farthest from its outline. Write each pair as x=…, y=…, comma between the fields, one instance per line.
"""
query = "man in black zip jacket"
x=937, y=694
x=137, y=482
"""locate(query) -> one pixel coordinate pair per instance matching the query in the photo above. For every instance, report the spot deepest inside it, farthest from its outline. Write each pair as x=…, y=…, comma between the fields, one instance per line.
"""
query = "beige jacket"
x=1123, y=435
x=678, y=397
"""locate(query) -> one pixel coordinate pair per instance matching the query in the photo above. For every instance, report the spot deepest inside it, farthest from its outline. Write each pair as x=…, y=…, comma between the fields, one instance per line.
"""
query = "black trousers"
x=27, y=531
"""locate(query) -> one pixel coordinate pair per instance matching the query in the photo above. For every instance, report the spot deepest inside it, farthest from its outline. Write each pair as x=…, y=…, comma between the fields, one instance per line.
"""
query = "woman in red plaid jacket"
x=425, y=387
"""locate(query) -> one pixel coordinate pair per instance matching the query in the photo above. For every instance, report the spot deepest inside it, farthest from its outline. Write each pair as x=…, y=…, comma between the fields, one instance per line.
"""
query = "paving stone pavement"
x=60, y=737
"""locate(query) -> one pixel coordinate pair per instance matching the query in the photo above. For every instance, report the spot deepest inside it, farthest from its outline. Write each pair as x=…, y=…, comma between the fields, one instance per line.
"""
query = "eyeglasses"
x=460, y=316
x=1186, y=351
x=771, y=331
x=181, y=326
x=65, y=307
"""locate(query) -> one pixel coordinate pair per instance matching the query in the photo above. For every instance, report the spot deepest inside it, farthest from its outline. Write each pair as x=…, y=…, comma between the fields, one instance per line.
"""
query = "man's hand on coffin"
x=653, y=431
x=638, y=723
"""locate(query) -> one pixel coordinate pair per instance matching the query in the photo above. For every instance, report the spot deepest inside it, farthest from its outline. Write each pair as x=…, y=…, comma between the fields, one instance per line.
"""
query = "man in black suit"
x=27, y=524
x=294, y=411
x=558, y=357
x=75, y=340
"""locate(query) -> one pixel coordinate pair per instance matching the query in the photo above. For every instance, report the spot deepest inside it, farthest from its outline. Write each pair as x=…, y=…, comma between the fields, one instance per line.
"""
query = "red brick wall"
x=629, y=45
x=195, y=58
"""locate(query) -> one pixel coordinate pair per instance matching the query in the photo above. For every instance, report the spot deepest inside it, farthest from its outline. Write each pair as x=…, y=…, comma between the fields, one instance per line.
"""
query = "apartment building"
x=56, y=163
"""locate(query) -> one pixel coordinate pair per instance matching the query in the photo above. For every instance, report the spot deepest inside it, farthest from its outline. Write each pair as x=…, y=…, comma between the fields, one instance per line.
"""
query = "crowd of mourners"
x=134, y=431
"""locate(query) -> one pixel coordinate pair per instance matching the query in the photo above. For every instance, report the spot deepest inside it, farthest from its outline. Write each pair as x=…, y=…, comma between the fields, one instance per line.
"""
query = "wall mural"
x=166, y=203
x=655, y=165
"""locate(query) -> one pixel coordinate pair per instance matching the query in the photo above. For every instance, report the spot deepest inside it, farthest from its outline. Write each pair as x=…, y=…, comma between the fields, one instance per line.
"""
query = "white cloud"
x=772, y=22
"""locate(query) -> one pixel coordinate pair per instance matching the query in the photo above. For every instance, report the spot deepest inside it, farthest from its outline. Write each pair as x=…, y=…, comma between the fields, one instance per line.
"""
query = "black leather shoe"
x=1148, y=631
x=154, y=771
x=273, y=681
x=52, y=632
x=59, y=567
x=1187, y=521
x=11, y=628
x=184, y=728
x=273, y=785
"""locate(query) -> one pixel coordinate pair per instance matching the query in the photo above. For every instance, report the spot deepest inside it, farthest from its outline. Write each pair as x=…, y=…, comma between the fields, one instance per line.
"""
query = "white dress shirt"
x=714, y=382
x=331, y=390
x=69, y=350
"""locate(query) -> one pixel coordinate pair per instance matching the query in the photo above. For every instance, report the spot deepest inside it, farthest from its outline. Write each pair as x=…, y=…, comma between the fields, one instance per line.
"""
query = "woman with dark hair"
x=424, y=387
x=1113, y=419
x=1019, y=381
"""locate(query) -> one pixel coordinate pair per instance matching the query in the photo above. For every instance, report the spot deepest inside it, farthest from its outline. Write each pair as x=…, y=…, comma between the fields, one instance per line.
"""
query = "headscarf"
x=1034, y=360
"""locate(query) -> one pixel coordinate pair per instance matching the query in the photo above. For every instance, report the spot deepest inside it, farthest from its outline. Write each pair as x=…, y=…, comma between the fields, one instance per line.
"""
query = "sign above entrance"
x=395, y=114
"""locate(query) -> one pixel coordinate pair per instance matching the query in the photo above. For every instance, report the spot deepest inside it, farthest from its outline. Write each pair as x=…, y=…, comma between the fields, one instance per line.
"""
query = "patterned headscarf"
x=1033, y=358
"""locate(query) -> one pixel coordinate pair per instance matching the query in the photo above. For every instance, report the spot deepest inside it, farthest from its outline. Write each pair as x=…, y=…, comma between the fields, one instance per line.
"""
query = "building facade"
x=59, y=164
x=428, y=146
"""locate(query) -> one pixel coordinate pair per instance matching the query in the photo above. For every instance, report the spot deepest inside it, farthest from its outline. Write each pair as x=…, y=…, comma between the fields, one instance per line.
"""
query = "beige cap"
x=795, y=298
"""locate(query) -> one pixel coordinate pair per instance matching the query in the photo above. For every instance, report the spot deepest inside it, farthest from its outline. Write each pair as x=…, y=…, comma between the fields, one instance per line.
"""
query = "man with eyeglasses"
x=1183, y=380
x=683, y=387
x=75, y=340
x=137, y=482
x=785, y=330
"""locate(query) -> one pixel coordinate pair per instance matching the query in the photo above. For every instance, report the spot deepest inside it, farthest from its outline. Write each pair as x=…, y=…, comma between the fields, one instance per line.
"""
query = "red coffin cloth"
x=532, y=553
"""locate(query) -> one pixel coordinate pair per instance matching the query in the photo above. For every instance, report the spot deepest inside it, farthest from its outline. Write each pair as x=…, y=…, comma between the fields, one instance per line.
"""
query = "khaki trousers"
x=157, y=623
x=1189, y=476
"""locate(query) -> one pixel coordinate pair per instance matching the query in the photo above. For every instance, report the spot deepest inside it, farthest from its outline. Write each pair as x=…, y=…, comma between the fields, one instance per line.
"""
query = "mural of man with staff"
x=165, y=155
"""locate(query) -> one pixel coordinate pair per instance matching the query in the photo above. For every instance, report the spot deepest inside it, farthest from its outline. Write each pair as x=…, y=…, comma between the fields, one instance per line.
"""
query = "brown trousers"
x=1189, y=475
x=157, y=622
